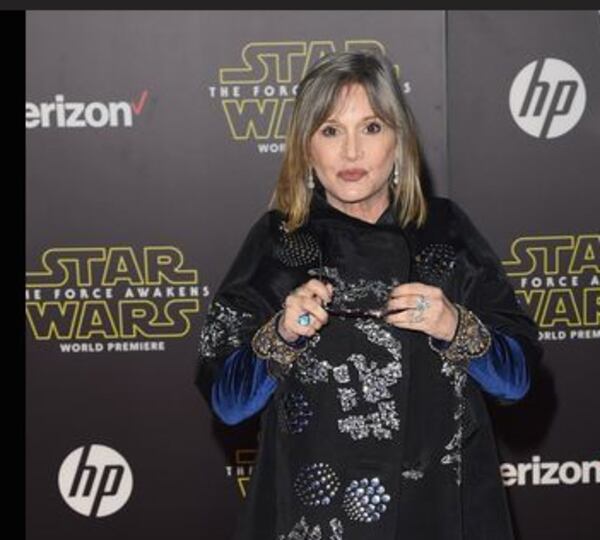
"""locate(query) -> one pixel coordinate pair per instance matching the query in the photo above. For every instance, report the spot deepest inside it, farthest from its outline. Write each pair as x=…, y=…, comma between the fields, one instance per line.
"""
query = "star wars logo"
x=257, y=97
x=558, y=279
x=87, y=298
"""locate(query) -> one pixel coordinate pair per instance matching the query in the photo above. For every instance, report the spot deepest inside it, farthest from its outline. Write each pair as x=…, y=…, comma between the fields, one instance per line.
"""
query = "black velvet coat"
x=370, y=436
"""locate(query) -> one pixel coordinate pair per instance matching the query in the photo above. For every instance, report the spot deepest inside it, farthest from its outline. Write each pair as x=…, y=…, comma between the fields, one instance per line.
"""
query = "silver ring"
x=304, y=319
x=422, y=303
x=417, y=313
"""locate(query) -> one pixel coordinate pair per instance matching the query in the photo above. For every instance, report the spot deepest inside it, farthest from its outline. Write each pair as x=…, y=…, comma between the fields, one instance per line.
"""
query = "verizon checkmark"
x=138, y=105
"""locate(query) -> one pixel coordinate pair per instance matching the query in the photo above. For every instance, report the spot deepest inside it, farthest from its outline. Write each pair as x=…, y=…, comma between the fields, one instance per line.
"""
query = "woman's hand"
x=426, y=309
x=308, y=299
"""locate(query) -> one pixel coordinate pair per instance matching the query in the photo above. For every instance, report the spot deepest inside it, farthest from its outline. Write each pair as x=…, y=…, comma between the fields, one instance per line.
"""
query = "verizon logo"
x=550, y=473
x=77, y=114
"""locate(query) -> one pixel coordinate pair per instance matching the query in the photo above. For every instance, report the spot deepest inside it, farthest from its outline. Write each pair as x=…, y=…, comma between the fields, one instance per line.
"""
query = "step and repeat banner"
x=154, y=141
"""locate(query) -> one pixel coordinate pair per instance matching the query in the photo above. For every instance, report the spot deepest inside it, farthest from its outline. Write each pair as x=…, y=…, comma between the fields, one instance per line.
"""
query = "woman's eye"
x=373, y=127
x=328, y=131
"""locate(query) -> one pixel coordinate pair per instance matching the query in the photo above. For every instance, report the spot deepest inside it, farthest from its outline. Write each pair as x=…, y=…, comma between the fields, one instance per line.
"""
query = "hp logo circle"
x=95, y=480
x=547, y=98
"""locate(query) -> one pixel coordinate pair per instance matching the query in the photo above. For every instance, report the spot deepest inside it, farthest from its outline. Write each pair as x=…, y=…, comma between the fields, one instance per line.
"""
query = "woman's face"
x=353, y=154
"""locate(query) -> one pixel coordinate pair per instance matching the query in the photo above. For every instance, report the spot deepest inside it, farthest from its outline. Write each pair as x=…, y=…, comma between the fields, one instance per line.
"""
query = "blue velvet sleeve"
x=243, y=386
x=502, y=371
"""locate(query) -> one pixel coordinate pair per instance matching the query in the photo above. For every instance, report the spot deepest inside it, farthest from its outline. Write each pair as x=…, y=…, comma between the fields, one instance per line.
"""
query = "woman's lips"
x=352, y=175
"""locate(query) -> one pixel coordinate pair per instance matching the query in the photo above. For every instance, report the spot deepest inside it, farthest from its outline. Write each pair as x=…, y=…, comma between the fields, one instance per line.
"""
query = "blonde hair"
x=316, y=97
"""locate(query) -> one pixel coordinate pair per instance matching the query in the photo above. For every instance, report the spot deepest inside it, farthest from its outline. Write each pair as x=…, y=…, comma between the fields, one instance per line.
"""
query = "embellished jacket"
x=370, y=434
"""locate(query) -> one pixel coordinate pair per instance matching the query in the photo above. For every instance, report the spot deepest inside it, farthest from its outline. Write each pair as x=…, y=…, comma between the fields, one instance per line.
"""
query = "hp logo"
x=547, y=98
x=95, y=480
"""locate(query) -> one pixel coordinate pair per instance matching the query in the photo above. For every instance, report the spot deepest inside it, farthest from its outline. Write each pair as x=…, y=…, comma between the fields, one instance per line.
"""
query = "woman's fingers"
x=314, y=287
x=401, y=303
x=415, y=288
x=416, y=306
x=304, y=313
x=310, y=306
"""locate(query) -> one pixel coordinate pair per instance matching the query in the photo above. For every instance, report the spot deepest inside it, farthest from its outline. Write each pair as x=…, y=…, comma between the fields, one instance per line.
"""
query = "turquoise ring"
x=304, y=319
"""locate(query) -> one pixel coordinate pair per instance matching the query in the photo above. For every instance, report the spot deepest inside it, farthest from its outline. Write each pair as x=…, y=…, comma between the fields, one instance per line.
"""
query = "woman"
x=365, y=324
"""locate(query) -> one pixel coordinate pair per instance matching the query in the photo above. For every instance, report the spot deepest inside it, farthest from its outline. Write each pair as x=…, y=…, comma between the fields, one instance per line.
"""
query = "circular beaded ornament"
x=435, y=263
x=316, y=484
x=298, y=248
x=365, y=500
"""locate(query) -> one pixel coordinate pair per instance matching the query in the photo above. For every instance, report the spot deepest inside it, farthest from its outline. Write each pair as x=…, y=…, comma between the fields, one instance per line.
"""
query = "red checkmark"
x=139, y=105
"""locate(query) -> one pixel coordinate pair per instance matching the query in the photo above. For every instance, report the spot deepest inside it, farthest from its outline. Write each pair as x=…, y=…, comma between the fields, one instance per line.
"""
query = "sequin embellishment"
x=337, y=529
x=316, y=484
x=380, y=423
x=303, y=531
x=222, y=328
x=350, y=292
x=308, y=369
x=375, y=380
x=412, y=474
x=347, y=398
x=294, y=413
x=365, y=500
x=453, y=457
x=341, y=374
x=380, y=336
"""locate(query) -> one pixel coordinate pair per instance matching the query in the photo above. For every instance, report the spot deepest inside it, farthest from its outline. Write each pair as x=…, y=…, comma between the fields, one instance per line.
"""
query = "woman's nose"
x=352, y=147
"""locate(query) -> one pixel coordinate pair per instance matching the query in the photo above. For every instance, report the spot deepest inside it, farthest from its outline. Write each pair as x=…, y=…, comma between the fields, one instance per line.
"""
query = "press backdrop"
x=153, y=143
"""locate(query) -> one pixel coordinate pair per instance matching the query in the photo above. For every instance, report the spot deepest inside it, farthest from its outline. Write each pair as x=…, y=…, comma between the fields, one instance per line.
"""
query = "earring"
x=310, y=180
x=396, y=175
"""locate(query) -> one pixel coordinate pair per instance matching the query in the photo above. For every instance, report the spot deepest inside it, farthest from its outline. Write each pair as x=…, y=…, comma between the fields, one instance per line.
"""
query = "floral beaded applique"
x=453, y=455
x=303, y=531
x=222, y=329
x=349, y=293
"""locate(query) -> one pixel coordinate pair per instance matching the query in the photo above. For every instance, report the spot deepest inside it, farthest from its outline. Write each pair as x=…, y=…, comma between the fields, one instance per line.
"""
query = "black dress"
x=370, y=435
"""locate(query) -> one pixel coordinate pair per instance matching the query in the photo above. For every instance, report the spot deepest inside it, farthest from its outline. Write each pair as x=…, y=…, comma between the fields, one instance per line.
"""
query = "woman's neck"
x=369, y=211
